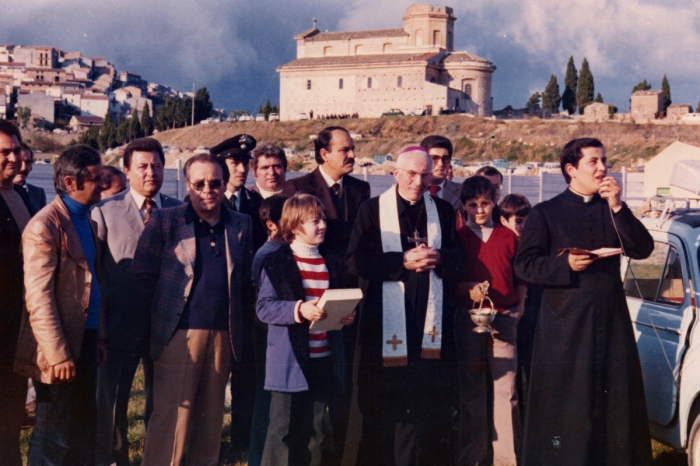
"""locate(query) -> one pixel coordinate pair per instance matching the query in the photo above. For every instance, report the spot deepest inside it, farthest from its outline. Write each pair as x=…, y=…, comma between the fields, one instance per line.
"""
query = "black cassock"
x=423, y=391
x=586, y=401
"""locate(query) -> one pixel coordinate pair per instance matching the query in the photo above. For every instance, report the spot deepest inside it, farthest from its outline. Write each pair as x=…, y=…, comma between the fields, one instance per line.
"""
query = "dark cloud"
x=233, y=46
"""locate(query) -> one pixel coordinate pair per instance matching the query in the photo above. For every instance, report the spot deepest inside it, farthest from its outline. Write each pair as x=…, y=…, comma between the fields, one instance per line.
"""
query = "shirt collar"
x=231, y=193
x=139, y=199
x=329, y=181
x=586, y=199
x=265, y=194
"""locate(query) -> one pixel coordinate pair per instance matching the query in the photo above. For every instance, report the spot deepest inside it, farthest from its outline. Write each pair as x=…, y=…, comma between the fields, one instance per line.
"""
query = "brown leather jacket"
x=57, y=284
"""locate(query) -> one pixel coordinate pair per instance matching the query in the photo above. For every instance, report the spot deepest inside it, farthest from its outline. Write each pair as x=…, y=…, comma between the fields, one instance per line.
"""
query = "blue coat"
x=288, y=341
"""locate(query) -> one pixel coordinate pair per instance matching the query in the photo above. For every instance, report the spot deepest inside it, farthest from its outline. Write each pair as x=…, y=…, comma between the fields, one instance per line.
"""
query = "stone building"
x=646, y=105
x=597, y=112
x=678, y=111
x=414, y=68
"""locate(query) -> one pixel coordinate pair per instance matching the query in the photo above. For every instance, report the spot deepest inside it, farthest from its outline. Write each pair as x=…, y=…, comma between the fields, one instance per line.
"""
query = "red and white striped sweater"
x=315, y=278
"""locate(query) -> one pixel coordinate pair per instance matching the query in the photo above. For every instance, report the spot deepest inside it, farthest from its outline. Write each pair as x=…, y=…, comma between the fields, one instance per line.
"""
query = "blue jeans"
x=65, y=428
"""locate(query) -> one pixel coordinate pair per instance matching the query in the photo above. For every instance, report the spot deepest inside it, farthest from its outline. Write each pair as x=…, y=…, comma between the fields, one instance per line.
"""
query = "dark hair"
x=24, y=147
x=108, y=174
x=10, y=129
x=437, y=141
x=514, y=204
x=489, y=171
x=268, y=150
x=476, y=187
x=74, y=162
x=323, y=141
x=571, y=153
x=271, y=209
x=207, y=158
x=143, y=145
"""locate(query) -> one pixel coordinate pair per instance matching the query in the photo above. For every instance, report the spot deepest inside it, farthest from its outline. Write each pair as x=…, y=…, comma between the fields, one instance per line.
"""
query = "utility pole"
x=193, y=82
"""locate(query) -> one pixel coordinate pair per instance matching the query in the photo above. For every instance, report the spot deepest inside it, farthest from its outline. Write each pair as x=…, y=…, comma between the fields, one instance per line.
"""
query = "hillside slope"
x=474, y=138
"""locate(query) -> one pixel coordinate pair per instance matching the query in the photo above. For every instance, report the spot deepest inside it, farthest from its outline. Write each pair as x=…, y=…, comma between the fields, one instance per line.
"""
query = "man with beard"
x=586, y=401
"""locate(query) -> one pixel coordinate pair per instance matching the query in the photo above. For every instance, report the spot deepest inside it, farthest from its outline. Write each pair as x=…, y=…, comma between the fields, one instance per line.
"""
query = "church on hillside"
x=413, y=69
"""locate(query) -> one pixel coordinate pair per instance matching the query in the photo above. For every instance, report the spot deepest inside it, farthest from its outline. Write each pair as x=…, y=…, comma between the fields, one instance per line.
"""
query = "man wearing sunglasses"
x=192, y=263
x=440, y=150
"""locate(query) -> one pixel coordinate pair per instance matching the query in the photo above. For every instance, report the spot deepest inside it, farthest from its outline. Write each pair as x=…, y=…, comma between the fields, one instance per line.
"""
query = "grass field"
x=663, y=455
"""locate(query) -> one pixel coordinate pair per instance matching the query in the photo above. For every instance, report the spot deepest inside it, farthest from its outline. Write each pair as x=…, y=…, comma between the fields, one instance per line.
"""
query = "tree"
x=568, y=98
x=203, y=105
x=122, y=129
x=134, y=130
x=533, y=101
x=90, y=137
x=586, y=87
x=666, y=88
x=550, y=96
x=23, y=114
x=642, y=86
x=599, y=98
x=266, y=109
x=108, y=134
x=146, y=120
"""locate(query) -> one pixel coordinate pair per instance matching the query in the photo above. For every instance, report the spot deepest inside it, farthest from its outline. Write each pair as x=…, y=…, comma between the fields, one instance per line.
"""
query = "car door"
x=657, y=300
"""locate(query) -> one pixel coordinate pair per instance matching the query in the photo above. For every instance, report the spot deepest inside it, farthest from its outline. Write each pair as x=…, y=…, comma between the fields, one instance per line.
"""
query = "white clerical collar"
x=404, y=197
x=140, y=199
x=265, y=194
x=586, y=199
x=329, y=181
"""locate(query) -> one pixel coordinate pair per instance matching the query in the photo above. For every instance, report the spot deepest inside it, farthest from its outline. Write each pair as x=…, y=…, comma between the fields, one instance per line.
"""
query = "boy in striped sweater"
x=303, y=368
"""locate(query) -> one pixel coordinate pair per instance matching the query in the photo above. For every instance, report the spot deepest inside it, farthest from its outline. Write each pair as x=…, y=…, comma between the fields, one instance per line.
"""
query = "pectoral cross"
x=394, y=342
x=433, y=333
x=417, y=239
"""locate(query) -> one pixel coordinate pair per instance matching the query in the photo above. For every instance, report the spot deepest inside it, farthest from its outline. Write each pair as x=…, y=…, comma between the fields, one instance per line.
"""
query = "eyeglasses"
x=445, y=158
x=214, y=185
x=411, y=174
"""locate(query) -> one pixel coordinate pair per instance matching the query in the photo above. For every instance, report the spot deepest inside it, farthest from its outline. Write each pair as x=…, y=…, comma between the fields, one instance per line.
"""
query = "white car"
x=303, y=116
x=274, y=117
x=202, y=150
x=231, y=118
x=260, y=117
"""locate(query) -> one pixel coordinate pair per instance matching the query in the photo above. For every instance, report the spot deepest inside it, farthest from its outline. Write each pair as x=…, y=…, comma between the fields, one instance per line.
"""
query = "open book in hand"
x=595, y=254
x=337, y=304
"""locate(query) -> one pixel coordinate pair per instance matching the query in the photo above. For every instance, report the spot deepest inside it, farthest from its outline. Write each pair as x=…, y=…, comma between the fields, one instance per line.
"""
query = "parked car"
x=380, y=159
x=551, y=167
x=303, y=116
x=260, y=117
x=354, y=136
x=290, y=152
x=202, y=150
x=245, y=118
x=457, y=163
x=232, y=118
x=393, y=112
x=274, y=117
x=450, y=111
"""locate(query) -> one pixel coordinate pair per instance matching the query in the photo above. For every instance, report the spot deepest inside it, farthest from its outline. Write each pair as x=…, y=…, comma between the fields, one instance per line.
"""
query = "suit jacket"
x=250, y=205
x=37, y=197
x=354, y=193
x=163, y=269
x=11, y=282
x=57, y=282
x=450, y=193
x=119, y=226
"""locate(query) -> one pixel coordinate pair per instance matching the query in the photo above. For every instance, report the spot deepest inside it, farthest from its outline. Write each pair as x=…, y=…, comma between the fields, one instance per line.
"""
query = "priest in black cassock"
x=586, y=402
x=406, y=252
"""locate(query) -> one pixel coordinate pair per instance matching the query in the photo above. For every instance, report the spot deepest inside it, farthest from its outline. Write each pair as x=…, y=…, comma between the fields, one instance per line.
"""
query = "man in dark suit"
x=440, y=150
x=120, y=222
x=14, y=216
x=37, y=195
x=341, y=195
x=192, y=264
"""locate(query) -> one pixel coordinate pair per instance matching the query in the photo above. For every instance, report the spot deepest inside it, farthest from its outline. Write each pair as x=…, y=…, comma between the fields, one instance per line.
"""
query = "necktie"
x=149, y=204
x=336, y=189
x=232, y=200
x=434, y=190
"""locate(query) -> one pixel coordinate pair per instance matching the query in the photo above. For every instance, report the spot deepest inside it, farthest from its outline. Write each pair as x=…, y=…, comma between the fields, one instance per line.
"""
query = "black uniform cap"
x=237, y=147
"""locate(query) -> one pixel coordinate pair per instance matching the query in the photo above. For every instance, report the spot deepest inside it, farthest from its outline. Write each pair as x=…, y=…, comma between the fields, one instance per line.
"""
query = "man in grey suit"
x=440, y=150
x=36, y=195
x=120, y=222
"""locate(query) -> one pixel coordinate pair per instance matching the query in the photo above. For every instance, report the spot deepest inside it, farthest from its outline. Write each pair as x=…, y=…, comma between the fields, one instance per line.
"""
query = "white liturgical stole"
x=394, y=344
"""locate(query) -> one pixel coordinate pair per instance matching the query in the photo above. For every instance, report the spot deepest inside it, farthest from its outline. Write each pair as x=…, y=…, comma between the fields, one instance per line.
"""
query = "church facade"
x=413, y=69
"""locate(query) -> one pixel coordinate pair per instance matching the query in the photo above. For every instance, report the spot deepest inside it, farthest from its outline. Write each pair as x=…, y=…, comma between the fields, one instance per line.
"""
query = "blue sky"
x=233, y=47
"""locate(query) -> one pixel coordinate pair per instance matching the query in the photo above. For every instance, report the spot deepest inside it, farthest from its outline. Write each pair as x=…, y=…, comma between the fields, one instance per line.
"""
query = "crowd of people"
x=225, y=286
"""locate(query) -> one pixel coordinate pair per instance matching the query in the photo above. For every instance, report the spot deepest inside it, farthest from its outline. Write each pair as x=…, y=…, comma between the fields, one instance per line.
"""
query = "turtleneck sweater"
x=315, y=279
x=482, y=231
x=79, y=215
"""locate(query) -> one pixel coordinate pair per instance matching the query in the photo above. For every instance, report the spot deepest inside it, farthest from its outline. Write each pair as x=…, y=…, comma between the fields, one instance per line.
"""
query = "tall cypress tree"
x=599, y=98
x=106, y=139
x=568, y=98
x=550, y=96
x=122, y=129
x=134, y=130
x=586, y=87
x=533, y=101
x=146, y=121
x=666, y=88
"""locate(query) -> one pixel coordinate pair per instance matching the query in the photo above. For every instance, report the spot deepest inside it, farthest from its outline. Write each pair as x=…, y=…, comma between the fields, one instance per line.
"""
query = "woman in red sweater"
x=490, y=252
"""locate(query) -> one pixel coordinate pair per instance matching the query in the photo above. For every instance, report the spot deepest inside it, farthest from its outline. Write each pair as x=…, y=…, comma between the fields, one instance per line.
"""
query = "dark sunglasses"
x=214, y=185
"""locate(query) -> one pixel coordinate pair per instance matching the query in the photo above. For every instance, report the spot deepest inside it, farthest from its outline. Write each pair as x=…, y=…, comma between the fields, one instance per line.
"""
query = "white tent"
x=658, y=171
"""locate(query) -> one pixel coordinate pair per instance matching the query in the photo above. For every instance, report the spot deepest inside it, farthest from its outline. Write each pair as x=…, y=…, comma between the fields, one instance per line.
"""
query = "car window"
x=658, y=278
